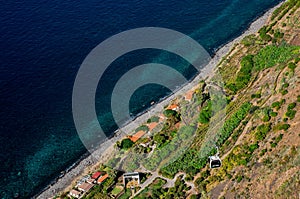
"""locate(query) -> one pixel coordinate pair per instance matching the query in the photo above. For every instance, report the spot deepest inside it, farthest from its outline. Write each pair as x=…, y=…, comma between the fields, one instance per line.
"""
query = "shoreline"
x=87, y=162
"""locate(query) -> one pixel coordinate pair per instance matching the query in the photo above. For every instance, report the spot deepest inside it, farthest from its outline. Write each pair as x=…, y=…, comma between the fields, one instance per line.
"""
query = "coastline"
x=88, y=162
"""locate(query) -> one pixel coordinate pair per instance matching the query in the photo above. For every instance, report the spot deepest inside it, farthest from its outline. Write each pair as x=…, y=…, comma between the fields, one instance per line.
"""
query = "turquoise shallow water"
x=43, y=44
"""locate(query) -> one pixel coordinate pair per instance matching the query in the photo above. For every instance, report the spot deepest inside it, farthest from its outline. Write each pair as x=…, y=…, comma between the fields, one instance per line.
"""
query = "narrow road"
x=170, y=182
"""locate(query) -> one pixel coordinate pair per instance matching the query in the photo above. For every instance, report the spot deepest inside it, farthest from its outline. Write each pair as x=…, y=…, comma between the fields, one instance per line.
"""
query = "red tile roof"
x=137, y=136
x=102, y=178
x=173, y=107
x=96, y=175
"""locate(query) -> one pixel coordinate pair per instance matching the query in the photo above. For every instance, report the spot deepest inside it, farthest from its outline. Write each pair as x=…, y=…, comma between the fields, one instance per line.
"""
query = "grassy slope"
x=260, y=160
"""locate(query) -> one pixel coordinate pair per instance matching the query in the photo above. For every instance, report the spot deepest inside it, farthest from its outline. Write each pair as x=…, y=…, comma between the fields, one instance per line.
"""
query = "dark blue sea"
x=43, y=44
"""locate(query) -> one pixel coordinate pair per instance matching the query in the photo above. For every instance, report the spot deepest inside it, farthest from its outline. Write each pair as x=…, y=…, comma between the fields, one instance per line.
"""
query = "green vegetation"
x=287, y=189
x=282, y=126
x=271, y=55
x=96, y=193
x=154, y=190
x=142, y=128
x=263, y=152
x=262, y=131
x=273, y=114
x=244, y=75
x=191, y=161
x=249, y=40
x=284, y=9
x=276, y=140
x=284, y=92
x=205, y=113
x=116, y=191
x=153, y=119
x=277, y=105
x=266, y=114
x=256, y=95
x=126, y=195
x=161, y=154
x=233, y=122
x=267, y=57
x=291, y=114
x=290, y=111
x=292, y=66
x=263, y=33
x=291, y=106
x=160, y=139
x=126, y=144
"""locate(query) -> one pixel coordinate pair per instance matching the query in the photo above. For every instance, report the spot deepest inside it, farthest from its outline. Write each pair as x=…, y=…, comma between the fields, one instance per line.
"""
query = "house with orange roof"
x=173, y=107
x=102, y=178
x=137, y=136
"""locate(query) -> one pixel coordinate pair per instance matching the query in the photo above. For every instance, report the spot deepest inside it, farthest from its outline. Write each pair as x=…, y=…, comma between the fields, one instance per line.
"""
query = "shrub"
x=263, y=152
x=273, y=114
x=278, y=34
x=263, y=34
x=153, y=119
x=291, y=114
x=291, y=106
x=249, y=40
x=170, y=113
x=284, y=92
x=282, y=127
x=266, y=114
x=279, y=138
x=142, y=128
x=239, y=178
x=258, y=95
x=126, y=144
x=276, y=105
x=262, y=131
x=205, y=113
x=266, y=118
x=253, y=109
x=273, y=144
x=159, y=138
x=292, y=66
x=285, y=85
x=253, y=147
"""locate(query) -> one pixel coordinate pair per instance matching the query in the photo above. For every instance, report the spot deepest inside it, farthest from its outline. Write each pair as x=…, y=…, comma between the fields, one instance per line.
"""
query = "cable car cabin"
x=214, y=162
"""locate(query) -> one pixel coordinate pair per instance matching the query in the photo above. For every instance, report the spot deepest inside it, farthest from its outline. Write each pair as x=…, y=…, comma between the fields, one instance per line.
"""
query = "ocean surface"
x=43, y=44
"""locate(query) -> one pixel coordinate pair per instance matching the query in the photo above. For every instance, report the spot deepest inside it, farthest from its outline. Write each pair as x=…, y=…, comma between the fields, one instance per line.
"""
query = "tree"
x=126, y=144
x=159, y=138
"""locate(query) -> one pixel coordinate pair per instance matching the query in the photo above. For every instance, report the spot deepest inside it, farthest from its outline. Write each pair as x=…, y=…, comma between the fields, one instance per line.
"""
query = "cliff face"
x=261, y=159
